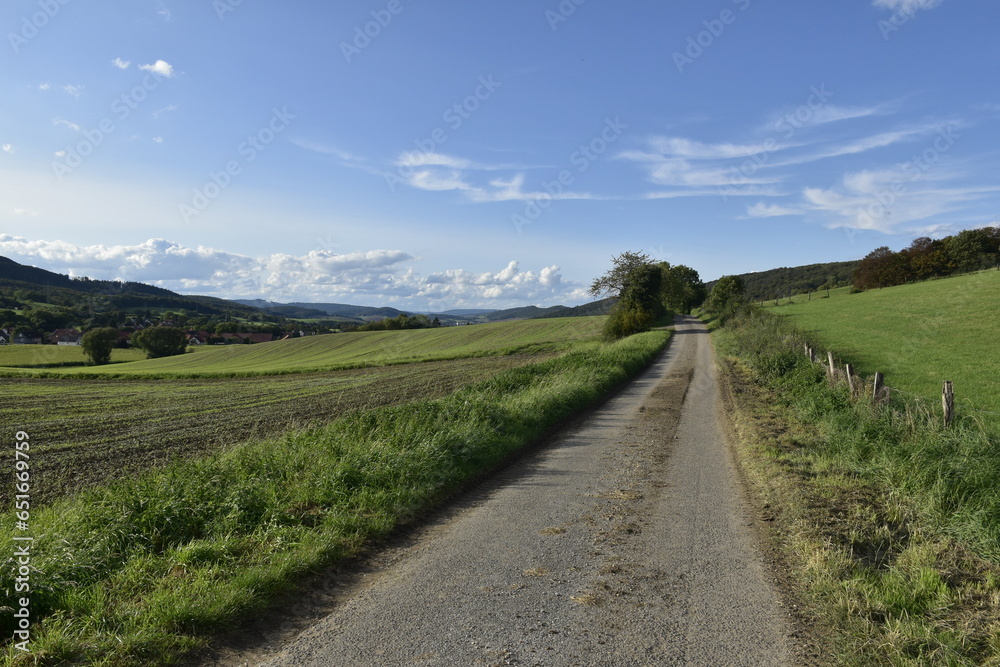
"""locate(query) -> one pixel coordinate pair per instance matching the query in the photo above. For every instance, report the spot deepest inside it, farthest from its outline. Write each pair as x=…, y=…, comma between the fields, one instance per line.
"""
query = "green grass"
x=147, y=569
x=42, y=356
x=890, y=522
x=353, y=350
x=917, y=335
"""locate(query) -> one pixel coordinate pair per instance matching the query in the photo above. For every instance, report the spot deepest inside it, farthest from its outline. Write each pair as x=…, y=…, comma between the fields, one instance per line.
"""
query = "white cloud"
x=163, y=12
x=762, y=210
x=158, y=140
x=43, y=86
x=421, y=159
x=69, y=124
x=7, y=148
x=160, y=68
x=440, y=173
x=73, y=90
x=886, y=200
x=167, y=109
x=906, y=6
x=324, y=149
x=121, y=64
x=372, y=277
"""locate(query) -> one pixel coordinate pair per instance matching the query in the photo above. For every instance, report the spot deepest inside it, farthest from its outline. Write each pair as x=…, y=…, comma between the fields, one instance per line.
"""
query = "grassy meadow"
x=917, y=335
x=352, y=350
x=47, y=356
x=144, y=570
x=888, y=522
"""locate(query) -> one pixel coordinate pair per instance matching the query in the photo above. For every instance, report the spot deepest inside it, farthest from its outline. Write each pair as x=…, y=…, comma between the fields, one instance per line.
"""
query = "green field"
x=44, y=356
x=150, y=567
x=353, y=350
x=917, y=335
x=92, y=429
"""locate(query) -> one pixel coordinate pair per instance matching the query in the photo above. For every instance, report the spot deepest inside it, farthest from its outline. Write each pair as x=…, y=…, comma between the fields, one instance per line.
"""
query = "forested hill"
x=777, y=283
x=22, y=285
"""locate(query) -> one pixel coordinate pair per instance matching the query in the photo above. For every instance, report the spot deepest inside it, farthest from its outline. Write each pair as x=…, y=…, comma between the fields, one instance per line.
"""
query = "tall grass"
x=145, y=570
x=905, y=513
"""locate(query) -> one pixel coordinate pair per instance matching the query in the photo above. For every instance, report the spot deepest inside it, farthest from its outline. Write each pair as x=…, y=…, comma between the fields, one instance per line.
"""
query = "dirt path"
x=625, y=542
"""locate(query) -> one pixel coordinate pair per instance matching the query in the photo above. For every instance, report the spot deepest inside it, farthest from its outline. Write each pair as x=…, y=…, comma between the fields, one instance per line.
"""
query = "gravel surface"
x=625, y=542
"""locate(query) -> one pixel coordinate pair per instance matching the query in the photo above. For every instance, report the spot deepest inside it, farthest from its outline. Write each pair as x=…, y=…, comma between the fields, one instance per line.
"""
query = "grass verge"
x=144, y=571
x=888, y=522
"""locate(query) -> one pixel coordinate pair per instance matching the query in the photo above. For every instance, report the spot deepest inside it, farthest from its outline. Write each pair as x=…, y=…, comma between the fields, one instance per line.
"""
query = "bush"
x=161, y=341
x=627, y=319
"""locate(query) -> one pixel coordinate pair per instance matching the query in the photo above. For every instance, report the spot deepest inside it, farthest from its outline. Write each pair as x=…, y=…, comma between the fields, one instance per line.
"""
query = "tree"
x=883, y=268
x=613, y=282
x=636, y=282
x=161, y=341
x=98, y=343
x=681, y=288
x=726, y=296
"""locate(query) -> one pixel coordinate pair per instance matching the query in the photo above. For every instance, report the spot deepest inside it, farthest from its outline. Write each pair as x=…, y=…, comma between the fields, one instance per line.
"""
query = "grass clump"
x=890, y=521
x=146, y=570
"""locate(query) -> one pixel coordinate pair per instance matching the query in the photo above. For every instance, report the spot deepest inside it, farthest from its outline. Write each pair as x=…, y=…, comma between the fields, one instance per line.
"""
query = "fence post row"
x=878, y=385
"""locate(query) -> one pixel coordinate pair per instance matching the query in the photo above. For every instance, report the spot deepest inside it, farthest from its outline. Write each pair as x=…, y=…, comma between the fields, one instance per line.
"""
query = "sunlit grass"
x=147, y=569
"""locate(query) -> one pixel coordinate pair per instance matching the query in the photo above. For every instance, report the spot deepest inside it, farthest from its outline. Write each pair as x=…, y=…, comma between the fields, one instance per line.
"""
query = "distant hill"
x=468, y=312
x=534, y=312
x=778, y=283
x=35, y=284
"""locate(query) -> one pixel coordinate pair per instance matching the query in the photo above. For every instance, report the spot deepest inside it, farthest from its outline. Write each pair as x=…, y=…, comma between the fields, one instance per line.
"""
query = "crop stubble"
x=87, y=432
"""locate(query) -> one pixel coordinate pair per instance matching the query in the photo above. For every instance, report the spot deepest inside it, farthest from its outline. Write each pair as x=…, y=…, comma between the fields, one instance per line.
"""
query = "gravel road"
x=625, y=542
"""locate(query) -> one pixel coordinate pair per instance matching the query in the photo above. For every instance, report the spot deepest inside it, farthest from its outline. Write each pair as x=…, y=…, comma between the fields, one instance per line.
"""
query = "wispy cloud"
x=163, y=11
x=73, y=90
x=886, y=200
x=121, y=64
x=906, y=6
x=8, y=148
x=62, y=121
x=687, y=167
x=159, y=112
x=326, y=149
x=43, y=86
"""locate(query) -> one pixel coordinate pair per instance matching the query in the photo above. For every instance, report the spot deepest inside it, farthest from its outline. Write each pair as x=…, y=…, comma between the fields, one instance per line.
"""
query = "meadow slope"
x=352, y=350
x=918, y=335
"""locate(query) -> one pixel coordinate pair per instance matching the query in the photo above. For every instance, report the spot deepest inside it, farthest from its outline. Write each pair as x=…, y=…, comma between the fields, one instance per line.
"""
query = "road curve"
x=624, y=542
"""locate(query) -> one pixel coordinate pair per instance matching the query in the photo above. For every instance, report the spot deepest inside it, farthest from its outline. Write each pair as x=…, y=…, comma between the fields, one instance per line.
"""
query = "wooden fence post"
x=812, y=356
x=849, y=369
x=833, y=369
x=948, y=402
x=877, y=386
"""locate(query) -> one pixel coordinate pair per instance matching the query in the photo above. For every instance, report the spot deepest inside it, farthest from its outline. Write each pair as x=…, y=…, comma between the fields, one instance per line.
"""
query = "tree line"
x=926, y=258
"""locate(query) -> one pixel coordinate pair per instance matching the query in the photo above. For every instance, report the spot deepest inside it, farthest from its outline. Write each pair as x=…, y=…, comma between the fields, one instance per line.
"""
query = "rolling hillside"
x=918, y=335
x=779, y=283
x=376, y=348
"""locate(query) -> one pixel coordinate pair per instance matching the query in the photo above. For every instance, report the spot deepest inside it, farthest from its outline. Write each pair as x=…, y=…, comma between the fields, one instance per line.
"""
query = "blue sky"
x=457, y=154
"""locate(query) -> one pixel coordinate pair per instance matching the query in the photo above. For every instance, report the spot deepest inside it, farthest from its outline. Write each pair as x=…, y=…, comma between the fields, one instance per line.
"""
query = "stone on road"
x=626, y=541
